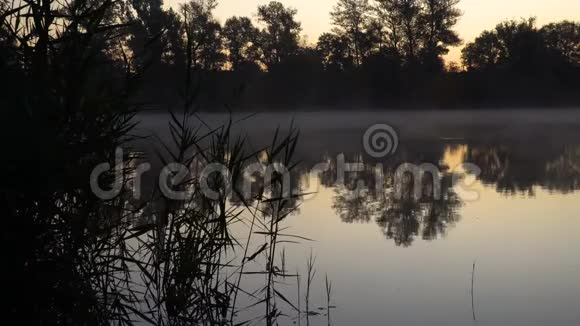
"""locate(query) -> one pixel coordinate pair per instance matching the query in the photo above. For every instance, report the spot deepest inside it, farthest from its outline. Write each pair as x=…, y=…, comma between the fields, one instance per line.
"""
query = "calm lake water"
x=409, y=262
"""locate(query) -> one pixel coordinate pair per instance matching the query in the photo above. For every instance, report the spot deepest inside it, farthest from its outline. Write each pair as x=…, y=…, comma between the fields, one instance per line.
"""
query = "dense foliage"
x=379, y=53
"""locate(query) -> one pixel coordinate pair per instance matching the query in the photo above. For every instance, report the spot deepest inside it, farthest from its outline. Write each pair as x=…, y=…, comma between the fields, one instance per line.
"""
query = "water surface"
x=408, y=262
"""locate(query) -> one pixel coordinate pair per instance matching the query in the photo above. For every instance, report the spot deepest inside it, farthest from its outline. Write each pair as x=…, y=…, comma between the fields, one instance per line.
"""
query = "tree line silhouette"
x=379, y=53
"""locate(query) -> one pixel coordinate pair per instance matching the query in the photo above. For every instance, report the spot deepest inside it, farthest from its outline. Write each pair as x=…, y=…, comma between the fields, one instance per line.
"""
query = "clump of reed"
x=84, y=258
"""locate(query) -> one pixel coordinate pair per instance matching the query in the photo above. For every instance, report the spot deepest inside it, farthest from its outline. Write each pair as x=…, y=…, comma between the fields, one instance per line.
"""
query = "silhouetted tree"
x=409, y=15
x=564, y=39
x=335, y=52
x=203, y=33
x=174, y=53
x=438, y=18
x=522, y=43
x=240, y=37
x=280, y=37
x=517, y=62
x=147, y=29
x=389, y=15
x=419, y=30
x=352, y=19
x=484, y=52
x=512, y=44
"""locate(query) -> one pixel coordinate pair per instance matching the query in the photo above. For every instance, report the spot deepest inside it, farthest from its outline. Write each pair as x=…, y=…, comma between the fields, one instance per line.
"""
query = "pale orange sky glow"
x=478, y=15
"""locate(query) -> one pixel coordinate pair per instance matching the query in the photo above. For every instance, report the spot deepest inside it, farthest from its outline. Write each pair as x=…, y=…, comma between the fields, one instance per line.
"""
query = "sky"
x=478, y=15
